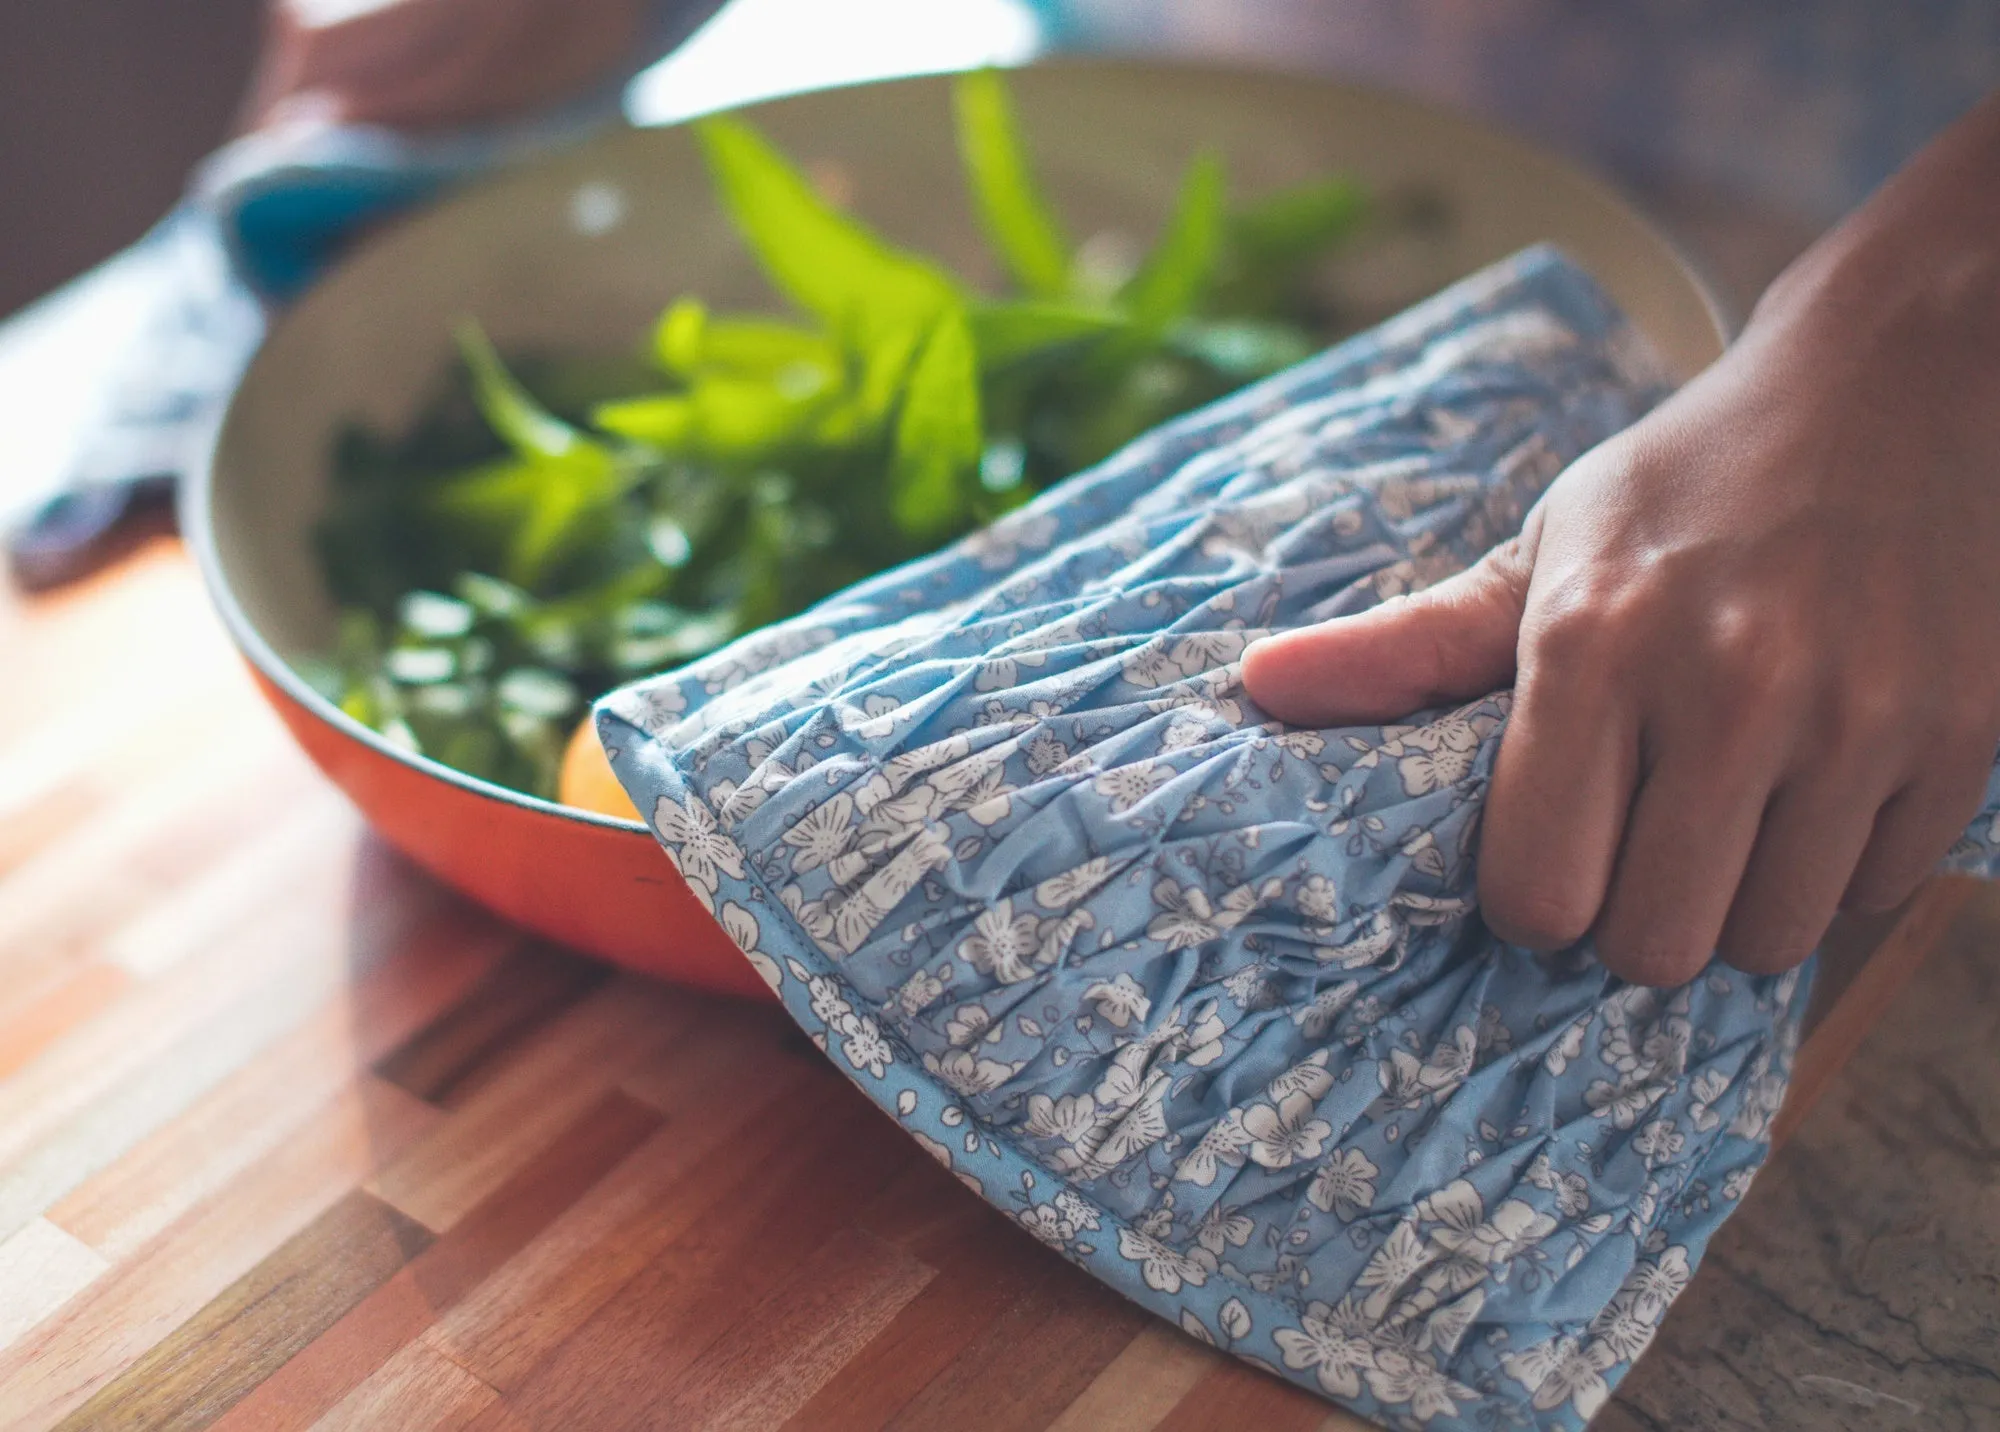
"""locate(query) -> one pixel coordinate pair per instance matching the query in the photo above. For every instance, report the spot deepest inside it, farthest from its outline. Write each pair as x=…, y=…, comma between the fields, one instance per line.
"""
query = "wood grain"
x=255, y=1326
x=290, y=1138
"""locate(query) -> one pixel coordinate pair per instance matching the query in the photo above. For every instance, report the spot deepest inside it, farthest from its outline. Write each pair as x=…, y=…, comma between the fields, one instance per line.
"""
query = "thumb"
x=1448, y=642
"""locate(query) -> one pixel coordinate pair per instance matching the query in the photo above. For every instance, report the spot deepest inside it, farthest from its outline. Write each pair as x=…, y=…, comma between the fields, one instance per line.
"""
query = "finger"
x=1447, y=642
x=1807, y=845
x=1913, y=831
x=1686, y=846
x=1562, y=783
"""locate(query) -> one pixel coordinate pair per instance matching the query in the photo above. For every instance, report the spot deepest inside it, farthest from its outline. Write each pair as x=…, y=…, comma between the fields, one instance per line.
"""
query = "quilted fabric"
x=1204, y=1001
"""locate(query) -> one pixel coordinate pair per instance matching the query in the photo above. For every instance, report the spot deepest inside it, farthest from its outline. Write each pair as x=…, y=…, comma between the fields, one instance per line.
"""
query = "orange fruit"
x=586, y=781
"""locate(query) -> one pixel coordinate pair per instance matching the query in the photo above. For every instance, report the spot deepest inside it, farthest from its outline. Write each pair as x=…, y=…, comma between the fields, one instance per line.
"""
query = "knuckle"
x=1883, y=885
x=1656, y=961
x=1538, y=916
x=1580, y=628
x=1772, y=949
x=1761, y=660
x=1861, y=714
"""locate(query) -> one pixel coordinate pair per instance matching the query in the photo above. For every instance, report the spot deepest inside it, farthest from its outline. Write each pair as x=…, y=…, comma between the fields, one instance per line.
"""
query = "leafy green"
x=1006, y=333
x=555, y=528
x=832, y=267
x=938, y=431
x=1270, y=241
x=556, y=483
x=1016, y=218
x=1169, y=283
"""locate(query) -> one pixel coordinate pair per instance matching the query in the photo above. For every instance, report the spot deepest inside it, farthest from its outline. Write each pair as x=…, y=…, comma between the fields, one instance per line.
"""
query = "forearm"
x=1916, y=267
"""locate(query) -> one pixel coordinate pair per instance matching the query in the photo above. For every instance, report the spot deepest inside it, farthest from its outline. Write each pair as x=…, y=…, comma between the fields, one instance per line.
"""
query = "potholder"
x=1202, y=1000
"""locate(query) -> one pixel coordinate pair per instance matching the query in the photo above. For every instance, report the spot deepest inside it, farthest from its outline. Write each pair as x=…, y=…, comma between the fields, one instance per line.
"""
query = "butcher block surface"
x=290, y=1136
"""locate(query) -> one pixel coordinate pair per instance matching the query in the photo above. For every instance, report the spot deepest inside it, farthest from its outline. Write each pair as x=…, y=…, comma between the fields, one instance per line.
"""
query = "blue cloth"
x=1202, y=1000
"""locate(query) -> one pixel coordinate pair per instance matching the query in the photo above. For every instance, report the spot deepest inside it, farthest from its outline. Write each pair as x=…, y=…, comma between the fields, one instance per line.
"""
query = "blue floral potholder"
x=1202, y=1000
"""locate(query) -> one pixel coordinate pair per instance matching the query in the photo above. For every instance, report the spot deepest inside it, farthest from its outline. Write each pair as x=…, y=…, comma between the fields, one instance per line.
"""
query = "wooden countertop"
x=291, y=1137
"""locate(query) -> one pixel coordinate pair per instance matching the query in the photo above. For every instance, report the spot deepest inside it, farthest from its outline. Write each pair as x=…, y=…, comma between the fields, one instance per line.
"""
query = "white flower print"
x=1621, y=1103
x=829, y=1005
x=1076, y=1210
x=1452, y=1061
x=1222, y=1228
x=1249, y=985
x=1494, y=1035
x=1572, y=1190
x=968, y=1074
x=1427, y=771
x=655, y=708
x=866, y=1048
x=1309, y=1077
x=1391, y=1267
x=1201, y=1043
x=1119, y=1001
x=823, y=833
x=1042, y=1220
x=1188, y=917
x=1002, y=944
x=813, y=916
x=1306, y=745
x=1126, y=786
x=1479, y=1242
x=1708, y=1087
x=741, y=926
x=1333, y=1343
x=1222, y=1145
x=1563, y=1370
x=1345, y=1184
x=1737, y=1183
x=1377, y=936
x=1068, y=1118
x=1399, y=1376
x=703, y=853
x=1315, y=1019
x=1659, y=1142
x=1622, y=1329
x=918, y=993
x=1044, y=753
x=1655, y=1283
x=1566, y=1046
x=1287, y=1134
x=1163, y=1267
x=1060, y=892
x=1318, y=899
x=968, y=1024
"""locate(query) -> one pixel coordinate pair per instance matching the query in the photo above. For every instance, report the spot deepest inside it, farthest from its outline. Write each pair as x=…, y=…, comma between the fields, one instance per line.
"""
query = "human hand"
x=1754, y=639
x=424, y=64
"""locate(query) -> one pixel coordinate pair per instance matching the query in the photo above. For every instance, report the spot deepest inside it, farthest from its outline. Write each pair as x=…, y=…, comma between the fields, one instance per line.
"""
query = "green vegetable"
x=552, y=529
x=1017, y=220
x=1170, y=282
x=938, y=432
x=863, y=290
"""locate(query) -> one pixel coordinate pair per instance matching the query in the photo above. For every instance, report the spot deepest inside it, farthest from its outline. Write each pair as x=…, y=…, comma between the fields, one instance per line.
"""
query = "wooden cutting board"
x=291, y=1137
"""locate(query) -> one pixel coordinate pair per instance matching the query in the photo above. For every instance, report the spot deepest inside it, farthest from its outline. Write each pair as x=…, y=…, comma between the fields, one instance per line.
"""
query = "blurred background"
x=1745, y=128
x=104, y=106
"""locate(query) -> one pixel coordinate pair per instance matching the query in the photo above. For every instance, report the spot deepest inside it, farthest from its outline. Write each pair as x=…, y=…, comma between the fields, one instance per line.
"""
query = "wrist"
x=1919, y=263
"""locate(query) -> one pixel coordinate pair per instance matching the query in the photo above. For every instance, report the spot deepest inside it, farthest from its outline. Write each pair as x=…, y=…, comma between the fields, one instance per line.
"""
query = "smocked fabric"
x=1200, y=999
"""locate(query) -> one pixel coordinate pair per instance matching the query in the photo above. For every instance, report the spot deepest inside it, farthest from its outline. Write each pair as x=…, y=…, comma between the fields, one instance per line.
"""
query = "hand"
x=1755, y=638
x=421, y=64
